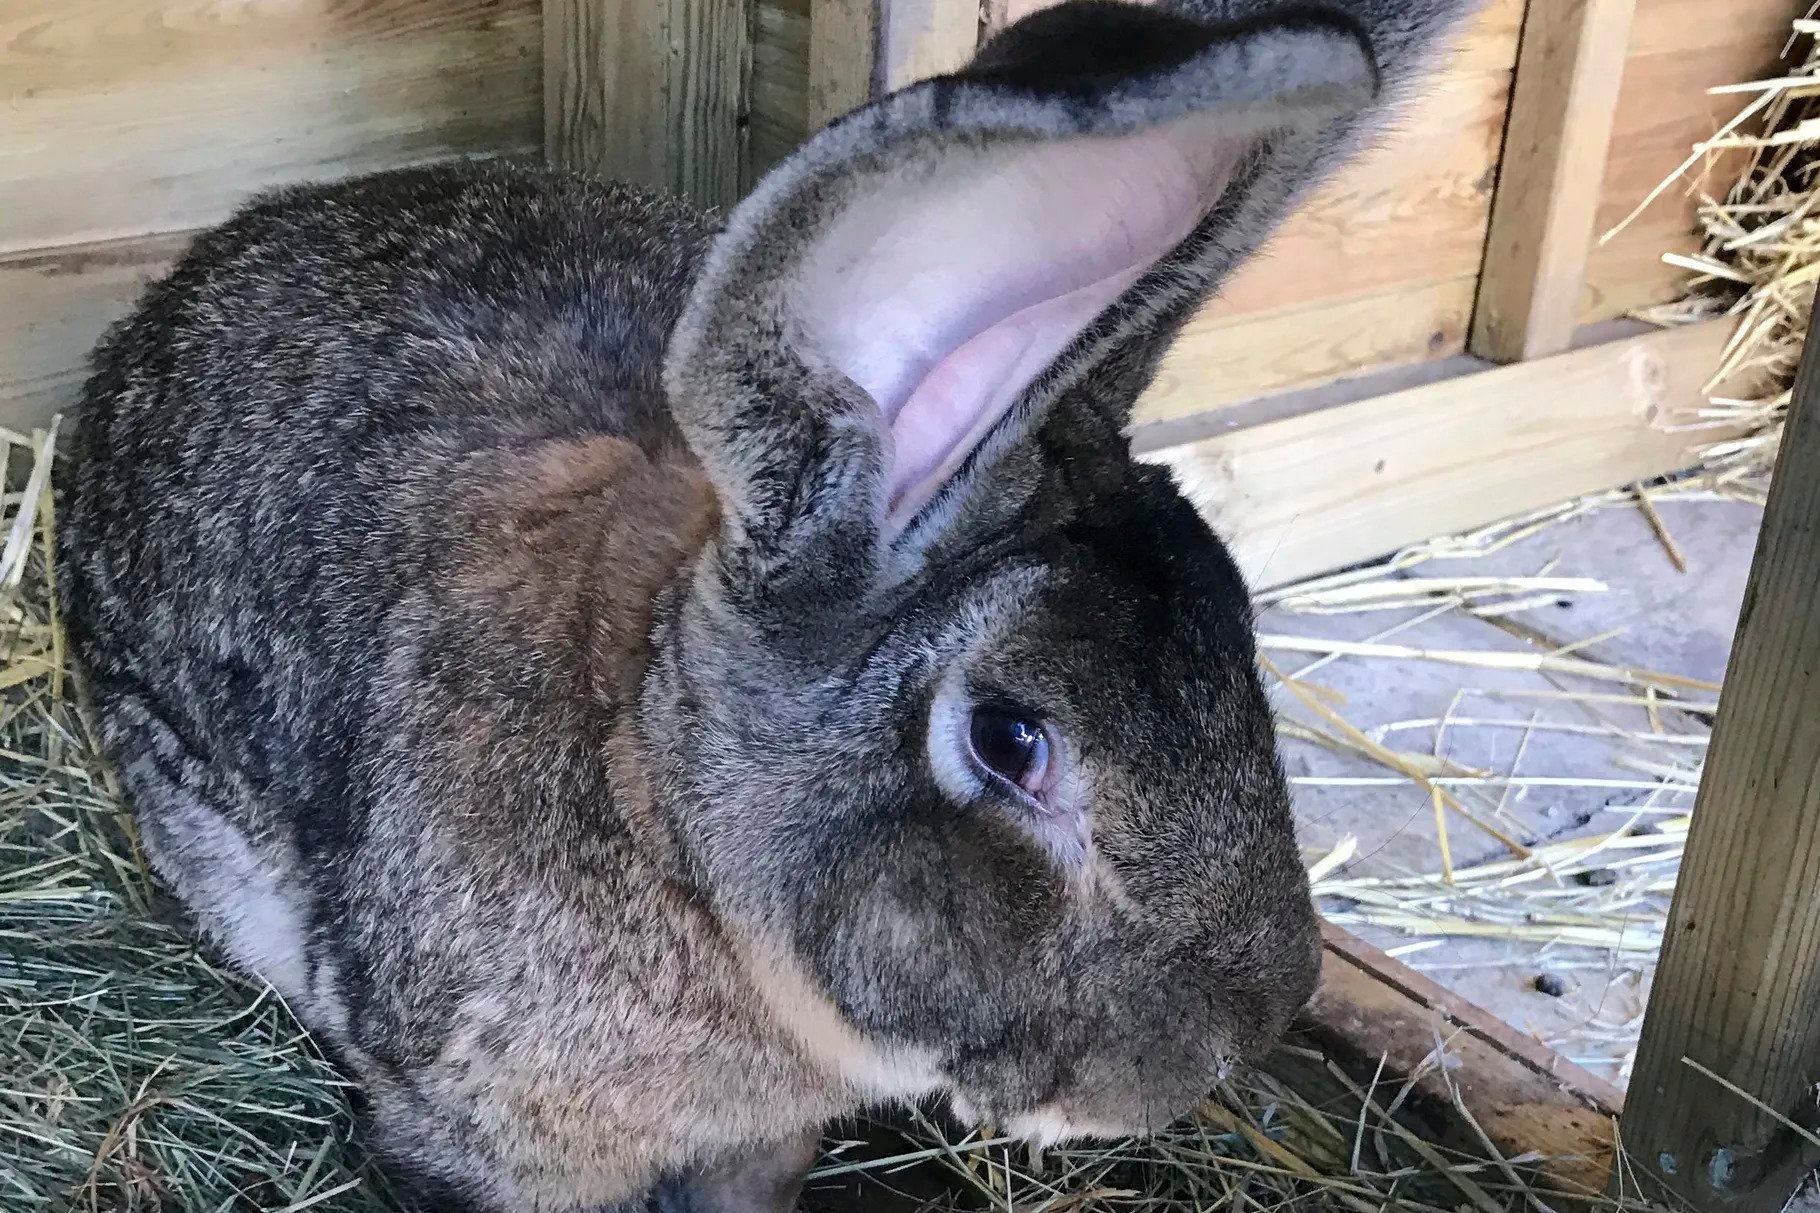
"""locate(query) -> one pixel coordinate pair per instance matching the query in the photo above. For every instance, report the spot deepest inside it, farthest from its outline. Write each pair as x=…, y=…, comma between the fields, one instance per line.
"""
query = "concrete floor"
x=1662, y=619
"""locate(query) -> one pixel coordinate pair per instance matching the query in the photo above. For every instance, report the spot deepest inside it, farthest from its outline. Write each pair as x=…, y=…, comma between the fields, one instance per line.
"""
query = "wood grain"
x=56, y=305
x=1737, y=988
x=1678, y=49
x=1563, y=102
x=650, y=91
x=778, y=100
x=1414, y=209
x=1315, y=492
x=843, y=59
x=1221, y=360
x=708, y=97
x=1375, y=1017
x=1378, y=268
x=1404, y=226
x=131, y=116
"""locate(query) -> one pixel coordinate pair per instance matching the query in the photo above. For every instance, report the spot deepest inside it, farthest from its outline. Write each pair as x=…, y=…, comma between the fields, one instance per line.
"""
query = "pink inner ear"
x=964, y=394
x=946, y=288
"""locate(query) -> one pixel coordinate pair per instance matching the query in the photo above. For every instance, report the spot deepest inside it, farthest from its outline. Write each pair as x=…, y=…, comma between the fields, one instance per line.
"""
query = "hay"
x=1758, y=261
x=137, y=1073
x=1537, y=899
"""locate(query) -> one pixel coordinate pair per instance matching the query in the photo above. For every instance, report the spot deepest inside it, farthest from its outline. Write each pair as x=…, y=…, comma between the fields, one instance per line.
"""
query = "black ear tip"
x=1087, y=45
x=1087, y=42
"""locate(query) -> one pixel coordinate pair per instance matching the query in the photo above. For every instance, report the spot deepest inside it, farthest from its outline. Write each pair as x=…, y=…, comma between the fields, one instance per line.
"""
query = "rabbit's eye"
x=1013, y=747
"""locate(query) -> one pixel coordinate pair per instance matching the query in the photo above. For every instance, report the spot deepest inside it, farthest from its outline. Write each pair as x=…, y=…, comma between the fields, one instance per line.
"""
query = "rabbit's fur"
x=538, y=631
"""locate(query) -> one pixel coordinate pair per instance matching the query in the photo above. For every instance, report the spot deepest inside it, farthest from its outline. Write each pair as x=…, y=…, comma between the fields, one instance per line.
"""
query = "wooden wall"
x=128, y=123
x=1678, y=50
x=780, y=79
x=132, y=122
x=1380, y=267
x=1380, y=270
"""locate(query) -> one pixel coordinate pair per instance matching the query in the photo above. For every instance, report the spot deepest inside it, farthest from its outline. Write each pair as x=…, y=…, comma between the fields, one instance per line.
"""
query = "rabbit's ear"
x=909, y=290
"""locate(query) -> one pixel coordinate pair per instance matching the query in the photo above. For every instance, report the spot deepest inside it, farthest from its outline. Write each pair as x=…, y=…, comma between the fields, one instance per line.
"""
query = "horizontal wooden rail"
x=1321, y=490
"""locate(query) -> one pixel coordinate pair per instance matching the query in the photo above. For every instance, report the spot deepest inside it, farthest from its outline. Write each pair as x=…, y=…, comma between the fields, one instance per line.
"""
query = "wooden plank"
x=1374, y=1017
x=1221, y=360
x=650, y=91
x=710, y=58
x=1343, y=288
x=124, y=117
x=1679, y=49
x=1563, y=103
x=778, y=96
x=1737, y=988
x=1412, y=210
x=1308, y=493
x=843, y=58
x=860, y=49
x=58, y=301
x=605, y=88
x=923, y=38
x=1379, y=267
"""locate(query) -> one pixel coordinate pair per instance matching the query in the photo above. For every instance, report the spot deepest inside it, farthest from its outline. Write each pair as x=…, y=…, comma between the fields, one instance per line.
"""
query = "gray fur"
x=546, y=716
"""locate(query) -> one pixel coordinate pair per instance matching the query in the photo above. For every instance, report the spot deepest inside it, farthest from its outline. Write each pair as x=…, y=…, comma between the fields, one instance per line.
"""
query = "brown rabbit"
x=639, y=691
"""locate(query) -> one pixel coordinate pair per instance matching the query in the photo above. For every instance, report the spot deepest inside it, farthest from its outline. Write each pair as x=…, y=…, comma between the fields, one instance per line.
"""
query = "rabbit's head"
x=959, y=709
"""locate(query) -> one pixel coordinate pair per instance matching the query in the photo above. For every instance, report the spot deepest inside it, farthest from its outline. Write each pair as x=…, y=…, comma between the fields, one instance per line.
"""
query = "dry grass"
x=1759, y=258
x=136, y=1073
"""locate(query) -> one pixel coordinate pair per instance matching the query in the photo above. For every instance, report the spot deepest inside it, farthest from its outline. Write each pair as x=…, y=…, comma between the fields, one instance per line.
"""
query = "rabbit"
x=641, y=685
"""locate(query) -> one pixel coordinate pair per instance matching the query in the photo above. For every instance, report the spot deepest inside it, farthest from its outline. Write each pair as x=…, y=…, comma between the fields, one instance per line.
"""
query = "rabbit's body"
x=411, y=611
x=640, y=690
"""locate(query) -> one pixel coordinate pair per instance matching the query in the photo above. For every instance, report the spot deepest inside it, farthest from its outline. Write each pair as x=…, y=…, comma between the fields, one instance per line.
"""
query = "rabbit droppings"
x=639, y=688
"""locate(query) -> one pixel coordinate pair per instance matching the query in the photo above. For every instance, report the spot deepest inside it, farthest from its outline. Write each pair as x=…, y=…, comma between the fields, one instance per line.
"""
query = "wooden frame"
x=1377, y=1022
x=1730, y=1051
x=1725, y=1073
x=1563, y=102
x=1303, y=492
x=1379, y=466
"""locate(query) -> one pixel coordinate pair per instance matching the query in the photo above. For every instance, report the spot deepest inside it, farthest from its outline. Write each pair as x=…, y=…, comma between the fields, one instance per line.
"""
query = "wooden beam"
x=1737, y=989
x=54, y=305
x=1375, y=1017
x=1677, y=52
x=1563, y=100
x=923, y=38
x=843, y=58
x=862, y=49
x=130, y=117
x=1316, y=491
x=650, y=91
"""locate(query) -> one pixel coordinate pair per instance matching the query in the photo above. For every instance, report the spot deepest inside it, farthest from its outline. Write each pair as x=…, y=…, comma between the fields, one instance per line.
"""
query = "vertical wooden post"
x=997, y=14
x=923, y=38
x=1738, y=987
x=1562, y=102
x=843, y=57
x=650, y=91
x=860, y=49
